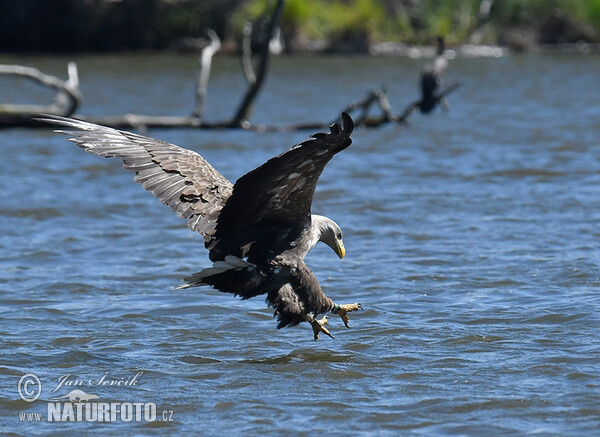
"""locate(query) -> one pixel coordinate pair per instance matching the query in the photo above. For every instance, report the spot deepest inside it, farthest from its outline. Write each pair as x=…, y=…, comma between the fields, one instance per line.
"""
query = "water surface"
x=471, y=237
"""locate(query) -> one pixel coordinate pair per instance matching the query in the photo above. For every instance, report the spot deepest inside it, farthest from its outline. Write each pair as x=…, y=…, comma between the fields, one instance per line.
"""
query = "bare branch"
x=243, y=111
x=66, y=102
x=204, y=72
x=247, y=67
x=64, y=98
x=403, y=117
x=384, y=104
x=144, y=122
x=448, y=90
x=364, y=104
x=374, y=96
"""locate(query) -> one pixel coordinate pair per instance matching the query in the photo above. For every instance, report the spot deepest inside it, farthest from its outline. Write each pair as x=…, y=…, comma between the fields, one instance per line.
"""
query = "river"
x=471, y=237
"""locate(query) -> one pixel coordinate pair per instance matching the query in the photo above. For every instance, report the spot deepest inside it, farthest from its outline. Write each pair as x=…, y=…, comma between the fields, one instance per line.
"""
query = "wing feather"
x=281, y=190
x=178, y=177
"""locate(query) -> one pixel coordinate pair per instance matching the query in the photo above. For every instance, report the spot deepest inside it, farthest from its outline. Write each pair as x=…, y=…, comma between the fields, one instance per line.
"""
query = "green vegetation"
x=108, y=25
x=416, y=22
x=319, y=19
x=524, y=11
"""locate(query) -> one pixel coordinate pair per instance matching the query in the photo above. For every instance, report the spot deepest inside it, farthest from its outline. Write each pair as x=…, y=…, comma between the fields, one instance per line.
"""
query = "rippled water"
x=472, y=243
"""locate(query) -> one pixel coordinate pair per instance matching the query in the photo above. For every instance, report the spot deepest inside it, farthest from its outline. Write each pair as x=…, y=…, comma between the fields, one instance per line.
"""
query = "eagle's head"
x=329, y=233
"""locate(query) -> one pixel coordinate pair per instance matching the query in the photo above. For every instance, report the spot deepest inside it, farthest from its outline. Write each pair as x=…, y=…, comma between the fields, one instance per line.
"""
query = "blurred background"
x=351, y=25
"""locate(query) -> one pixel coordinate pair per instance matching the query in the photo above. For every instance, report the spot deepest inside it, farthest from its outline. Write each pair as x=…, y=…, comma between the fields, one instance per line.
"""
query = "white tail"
x=230, y=263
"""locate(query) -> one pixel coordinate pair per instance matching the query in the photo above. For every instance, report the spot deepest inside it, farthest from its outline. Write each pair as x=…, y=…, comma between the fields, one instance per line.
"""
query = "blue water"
x=471, y=236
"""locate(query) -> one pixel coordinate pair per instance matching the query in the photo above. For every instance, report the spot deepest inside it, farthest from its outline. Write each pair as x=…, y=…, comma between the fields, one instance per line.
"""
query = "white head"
x=329, y=233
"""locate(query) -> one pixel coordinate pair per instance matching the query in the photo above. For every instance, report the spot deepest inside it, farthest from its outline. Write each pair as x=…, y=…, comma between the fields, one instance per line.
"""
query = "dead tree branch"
x=204, y=72
x=243, y=112
x=448, y=90
x=142, y=122
x=375, y=96
x=247, y=66
x=65, y=103
x=439, y=98
x=380, y=99
x=68, y=95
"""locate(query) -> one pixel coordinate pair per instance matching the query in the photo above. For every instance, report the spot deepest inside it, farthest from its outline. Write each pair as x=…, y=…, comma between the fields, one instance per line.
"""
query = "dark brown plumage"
x=257, y=231
x=432, y=77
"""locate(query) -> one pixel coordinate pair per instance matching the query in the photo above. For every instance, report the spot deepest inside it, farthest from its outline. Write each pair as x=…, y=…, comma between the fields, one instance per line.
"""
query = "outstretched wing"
x=281, y=190
x=179, y=178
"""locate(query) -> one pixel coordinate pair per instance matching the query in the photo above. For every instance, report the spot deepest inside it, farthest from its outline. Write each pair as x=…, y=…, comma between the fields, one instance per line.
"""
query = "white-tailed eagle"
x=257, y=231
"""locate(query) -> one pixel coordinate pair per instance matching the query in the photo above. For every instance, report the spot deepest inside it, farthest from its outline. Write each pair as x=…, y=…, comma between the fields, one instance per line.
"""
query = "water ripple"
x=471, y=242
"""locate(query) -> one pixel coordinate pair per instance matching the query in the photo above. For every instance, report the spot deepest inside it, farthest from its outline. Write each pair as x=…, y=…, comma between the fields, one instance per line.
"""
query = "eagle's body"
x=257, y=231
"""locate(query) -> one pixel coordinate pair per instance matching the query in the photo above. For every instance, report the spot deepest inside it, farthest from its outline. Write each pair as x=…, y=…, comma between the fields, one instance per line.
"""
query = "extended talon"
x=343, y=310
x=319, y=326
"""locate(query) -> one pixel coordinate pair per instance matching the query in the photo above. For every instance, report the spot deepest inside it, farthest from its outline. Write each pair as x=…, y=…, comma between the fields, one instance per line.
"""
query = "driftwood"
x=68, y=97
x=241, y=116
x=247, y=67
x=360, y=110
x=65, y=103
x=402, y=118
x=204, y=72
x=239, y=120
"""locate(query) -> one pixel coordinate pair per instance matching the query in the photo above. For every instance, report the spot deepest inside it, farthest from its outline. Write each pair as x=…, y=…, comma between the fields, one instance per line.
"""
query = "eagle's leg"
x=343, y=310
x=318, y=325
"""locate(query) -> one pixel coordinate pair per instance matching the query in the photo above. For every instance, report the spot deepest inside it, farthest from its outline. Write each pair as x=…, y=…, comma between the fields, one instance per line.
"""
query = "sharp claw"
x=343, y=311
x=319, y=326
x=346, y=320
x=326, y=331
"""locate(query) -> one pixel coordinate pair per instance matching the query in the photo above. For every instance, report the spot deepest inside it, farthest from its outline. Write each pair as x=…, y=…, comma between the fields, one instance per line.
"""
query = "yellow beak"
x=340, y=249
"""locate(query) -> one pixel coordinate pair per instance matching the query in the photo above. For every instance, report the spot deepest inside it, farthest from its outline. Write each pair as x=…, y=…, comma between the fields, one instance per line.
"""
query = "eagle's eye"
x=339, y=236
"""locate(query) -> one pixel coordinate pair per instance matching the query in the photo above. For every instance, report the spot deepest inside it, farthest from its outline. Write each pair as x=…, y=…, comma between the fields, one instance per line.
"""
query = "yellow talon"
x=319, y=326
x=343, y=310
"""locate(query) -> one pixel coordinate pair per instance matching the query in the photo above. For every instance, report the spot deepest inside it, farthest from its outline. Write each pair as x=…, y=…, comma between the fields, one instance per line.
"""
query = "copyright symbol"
x=25, y=389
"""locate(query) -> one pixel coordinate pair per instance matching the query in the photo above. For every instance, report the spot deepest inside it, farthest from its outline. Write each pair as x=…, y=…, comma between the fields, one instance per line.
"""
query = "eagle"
x=257, y=231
